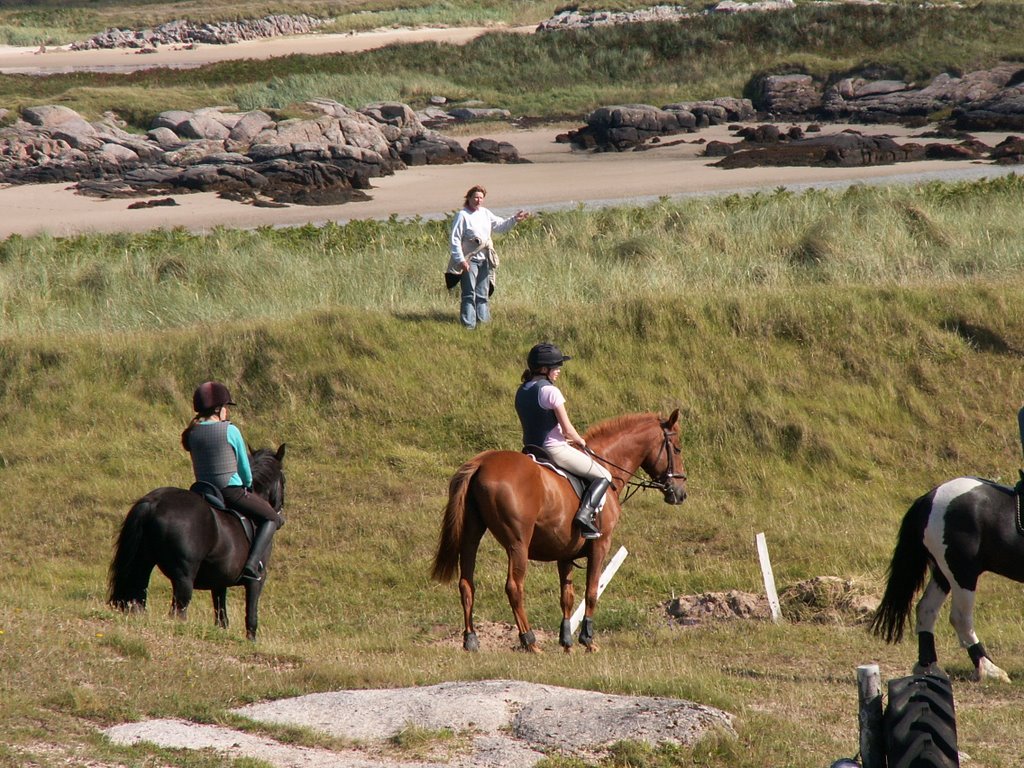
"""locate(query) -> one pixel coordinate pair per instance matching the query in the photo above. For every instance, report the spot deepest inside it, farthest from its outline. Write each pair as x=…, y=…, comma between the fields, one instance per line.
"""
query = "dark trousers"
x=256, y=508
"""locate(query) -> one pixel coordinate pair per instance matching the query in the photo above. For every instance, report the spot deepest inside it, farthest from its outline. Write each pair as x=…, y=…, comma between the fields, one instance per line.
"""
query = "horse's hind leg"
x=927, y=616
x=472, y=532
x=961, y=616
x=220, y=607
x=181, y=596
x=517, y=560
x=567, y=599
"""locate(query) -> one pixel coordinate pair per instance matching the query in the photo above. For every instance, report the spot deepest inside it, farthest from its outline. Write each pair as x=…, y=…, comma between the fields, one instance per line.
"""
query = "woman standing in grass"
x=220, y=457
x=541, y=409
x=472, y=254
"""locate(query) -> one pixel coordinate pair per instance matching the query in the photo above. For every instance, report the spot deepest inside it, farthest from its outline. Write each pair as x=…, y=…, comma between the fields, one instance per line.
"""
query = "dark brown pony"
x=193, y=545
x=530, y=510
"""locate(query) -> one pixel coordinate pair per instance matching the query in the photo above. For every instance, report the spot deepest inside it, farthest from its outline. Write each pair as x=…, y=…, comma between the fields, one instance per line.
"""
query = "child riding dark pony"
x=220, y=458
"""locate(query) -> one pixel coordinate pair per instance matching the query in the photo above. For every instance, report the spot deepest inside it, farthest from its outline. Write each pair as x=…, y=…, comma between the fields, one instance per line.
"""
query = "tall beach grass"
x=751, y=245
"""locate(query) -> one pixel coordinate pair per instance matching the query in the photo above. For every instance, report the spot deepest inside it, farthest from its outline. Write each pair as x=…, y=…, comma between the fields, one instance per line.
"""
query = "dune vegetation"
x=569, y=73
x=833, y=354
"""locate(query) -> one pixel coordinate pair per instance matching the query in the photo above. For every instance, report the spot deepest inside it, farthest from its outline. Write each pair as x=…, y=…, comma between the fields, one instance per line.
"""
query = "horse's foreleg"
x=220, y=607
x=593, y=575
x=253, y=590
x=471, y=535
x=961, y=616
x=927, y=615
x=567, y=599
x=517, y=560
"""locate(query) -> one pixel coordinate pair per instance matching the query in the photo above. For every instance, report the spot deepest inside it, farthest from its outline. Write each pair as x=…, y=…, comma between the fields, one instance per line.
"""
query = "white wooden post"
x=869, y=694
x=602, y=582
x=769, y=577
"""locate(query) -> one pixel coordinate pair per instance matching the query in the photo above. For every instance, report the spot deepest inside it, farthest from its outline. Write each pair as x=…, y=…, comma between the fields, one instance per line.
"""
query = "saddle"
x=212, y=495
x=539, y=455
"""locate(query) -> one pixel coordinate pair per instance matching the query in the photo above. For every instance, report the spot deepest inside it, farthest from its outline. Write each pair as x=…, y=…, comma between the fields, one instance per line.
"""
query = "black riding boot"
x=254, y=566
x=589, y=505
x=1020, y=483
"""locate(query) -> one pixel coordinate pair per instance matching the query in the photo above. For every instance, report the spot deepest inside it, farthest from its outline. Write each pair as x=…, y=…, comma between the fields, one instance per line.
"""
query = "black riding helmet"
x=544, y=355
x=209, y=396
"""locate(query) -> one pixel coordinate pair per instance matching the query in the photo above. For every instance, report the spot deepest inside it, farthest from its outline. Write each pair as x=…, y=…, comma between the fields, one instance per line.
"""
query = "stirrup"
x=248, y=574
x=585, y=520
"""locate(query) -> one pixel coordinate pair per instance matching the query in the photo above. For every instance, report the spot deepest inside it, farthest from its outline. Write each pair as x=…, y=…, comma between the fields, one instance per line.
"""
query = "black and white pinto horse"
x=957, y=531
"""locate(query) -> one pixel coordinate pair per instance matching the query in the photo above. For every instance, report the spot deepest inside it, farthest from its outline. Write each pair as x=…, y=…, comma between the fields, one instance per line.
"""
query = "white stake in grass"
x=602, y=582
x=769, y=577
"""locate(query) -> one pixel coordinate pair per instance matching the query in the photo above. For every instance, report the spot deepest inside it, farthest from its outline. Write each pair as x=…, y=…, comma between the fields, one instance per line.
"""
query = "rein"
x=634, y=483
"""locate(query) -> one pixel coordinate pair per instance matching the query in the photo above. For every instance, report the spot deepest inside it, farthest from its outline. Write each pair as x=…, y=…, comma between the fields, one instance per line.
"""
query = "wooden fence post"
x=869, y=690
x=769, y=577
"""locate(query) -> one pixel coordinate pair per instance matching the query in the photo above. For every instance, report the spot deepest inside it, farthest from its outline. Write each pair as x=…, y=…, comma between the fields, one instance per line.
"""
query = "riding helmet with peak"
x=209, y=396
x=545, y=354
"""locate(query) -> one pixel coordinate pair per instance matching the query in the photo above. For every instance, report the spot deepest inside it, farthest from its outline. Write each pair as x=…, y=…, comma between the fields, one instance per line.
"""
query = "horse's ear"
x=672, y=420
x=280, y=453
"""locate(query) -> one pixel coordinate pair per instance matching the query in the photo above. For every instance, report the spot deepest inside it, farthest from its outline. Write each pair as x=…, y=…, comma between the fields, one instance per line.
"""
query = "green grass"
x=819, y=397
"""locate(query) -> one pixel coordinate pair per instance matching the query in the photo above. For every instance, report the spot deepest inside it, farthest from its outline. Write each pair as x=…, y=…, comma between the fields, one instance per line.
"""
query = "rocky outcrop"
x=991, y=99
x=787, y=96
x=886, y=100
x=767, y=145
x=630, y=126
x=184, y=32
x=847, y=149
x=320, y=160
x=625, y=126
x=1002, y=111
x=573, y=18
x=491, y=151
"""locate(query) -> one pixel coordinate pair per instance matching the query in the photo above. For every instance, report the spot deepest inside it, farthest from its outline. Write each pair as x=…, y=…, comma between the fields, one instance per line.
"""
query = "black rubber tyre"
x=920, y=723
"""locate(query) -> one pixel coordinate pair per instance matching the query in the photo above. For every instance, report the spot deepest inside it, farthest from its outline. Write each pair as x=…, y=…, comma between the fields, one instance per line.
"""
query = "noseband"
x=661, y=483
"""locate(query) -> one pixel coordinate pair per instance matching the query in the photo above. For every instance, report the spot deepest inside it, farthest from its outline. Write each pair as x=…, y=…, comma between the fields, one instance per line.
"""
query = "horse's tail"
x=125, y=588
x=907, y=573
x=449, y=545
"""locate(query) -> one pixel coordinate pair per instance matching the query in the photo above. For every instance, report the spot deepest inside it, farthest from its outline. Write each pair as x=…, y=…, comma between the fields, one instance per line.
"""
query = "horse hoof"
x=986, y=670
x=470, y=642
x=567, y=648
x=592, y=648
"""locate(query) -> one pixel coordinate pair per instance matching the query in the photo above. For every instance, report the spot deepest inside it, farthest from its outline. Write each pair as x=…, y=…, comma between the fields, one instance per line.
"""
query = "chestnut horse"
x=530, y=509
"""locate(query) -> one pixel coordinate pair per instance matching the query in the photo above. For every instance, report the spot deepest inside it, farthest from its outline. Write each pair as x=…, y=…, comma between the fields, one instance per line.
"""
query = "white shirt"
x=471, y=229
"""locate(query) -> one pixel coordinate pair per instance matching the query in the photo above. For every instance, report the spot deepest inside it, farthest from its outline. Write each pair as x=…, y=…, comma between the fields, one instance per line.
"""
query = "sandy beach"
x=556, y=176
x=55, y=60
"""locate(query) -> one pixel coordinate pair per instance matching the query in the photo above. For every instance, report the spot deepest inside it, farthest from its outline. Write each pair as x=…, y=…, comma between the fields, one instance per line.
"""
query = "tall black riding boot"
x=254, y=566
x=589, y=505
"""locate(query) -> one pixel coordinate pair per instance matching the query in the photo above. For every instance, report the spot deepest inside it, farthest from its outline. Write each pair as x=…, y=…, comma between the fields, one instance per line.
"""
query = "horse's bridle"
x=661, y=483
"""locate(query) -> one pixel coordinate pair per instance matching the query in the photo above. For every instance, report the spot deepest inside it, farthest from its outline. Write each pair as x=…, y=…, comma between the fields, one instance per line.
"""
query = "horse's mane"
x=617, y=425
x=265, y=468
